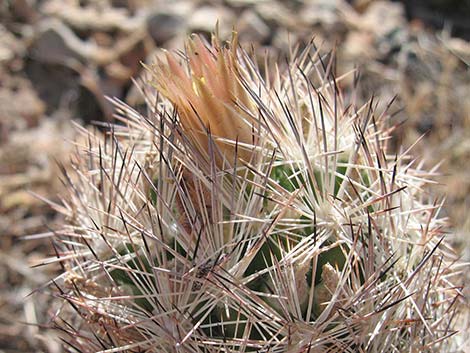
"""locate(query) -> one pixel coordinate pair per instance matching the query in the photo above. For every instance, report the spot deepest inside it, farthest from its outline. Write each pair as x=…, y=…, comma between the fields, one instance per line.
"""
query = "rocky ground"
x=60, y=58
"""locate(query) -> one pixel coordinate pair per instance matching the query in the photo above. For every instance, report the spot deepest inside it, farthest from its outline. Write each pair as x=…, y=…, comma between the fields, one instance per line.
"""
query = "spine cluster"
x=251, y=211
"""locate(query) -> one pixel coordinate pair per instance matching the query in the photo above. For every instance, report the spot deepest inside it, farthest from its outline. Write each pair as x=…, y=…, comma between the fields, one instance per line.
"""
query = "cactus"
x=250, y=212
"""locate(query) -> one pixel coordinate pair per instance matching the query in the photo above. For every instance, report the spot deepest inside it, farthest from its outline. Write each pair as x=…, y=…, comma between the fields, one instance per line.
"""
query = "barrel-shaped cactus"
x=250, y=211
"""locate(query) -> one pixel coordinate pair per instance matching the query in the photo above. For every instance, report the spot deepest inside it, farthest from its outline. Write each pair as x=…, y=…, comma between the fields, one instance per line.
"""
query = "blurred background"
x=60, y=58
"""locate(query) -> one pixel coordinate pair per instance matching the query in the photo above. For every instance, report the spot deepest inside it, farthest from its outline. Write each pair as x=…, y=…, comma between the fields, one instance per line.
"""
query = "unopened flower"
x=208, y=93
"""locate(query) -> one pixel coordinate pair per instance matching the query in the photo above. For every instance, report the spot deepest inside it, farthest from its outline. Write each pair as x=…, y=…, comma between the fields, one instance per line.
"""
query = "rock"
x=242, y=3
x=252, y=28
x=182, y=8
x=164, y=26
x=10, y=47
x=359, y=45
x=55, y=43
x=205, y=19
x=383, y=17
x=378, y=33
x=29, y=161
x=58, y=44
x=322, y=12
x=92, y=16
x=23, y=10
x=276, y=13
x=361, y=5
x=55, y=84
x=20, y=107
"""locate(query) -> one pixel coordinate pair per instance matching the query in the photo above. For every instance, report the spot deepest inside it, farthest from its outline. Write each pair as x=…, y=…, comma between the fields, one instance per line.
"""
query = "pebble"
x=55, y=43
x=276, y=14
x=164, y=26
x=205, y=19
x=252, y=28
x=10, y=47
x=323, y=12
x=383, y=17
